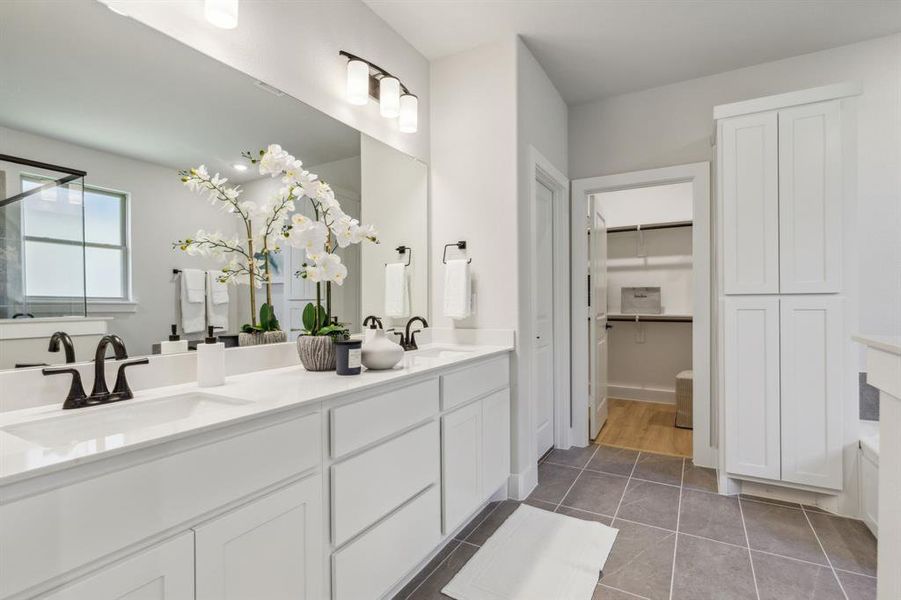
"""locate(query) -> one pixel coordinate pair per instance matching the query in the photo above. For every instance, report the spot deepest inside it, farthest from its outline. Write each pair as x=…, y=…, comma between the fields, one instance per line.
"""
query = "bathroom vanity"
x=279, y=484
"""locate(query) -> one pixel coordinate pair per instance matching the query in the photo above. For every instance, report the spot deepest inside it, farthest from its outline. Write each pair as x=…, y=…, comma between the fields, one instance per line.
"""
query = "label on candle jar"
x=354, y=358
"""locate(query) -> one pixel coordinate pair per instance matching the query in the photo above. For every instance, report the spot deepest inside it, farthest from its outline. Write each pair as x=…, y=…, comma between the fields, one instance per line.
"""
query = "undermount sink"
x=101, y=422
x=443, y=352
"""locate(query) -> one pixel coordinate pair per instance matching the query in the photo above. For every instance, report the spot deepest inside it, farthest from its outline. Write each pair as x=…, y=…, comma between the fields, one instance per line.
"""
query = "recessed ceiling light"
x=240, y=167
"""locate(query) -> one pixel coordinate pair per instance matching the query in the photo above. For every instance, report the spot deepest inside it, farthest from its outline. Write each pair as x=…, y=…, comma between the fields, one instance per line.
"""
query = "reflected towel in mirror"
x=457, y=289
x=217, y=301
x=192, y=300
x=397, y=291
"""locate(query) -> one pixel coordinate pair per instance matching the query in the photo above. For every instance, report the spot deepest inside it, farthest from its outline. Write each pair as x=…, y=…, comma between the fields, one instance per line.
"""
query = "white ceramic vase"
x=379, y=352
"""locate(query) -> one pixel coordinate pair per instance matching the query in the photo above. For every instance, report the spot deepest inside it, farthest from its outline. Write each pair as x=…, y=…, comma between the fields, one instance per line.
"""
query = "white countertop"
x=886, y=343
x=254, y=395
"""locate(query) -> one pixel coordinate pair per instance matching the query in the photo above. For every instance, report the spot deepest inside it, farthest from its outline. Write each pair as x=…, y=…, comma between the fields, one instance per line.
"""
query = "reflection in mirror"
x=131, y=107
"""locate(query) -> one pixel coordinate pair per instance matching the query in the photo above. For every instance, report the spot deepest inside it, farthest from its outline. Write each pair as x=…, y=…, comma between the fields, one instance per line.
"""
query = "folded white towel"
x=192, y=300
x=216, y=301
x=397, y=291
x=457, y=289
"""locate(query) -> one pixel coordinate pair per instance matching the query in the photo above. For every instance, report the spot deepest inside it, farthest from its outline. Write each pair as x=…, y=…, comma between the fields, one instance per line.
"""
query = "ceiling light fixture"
x=239, y=167
x=221, y=13
x=367, y=80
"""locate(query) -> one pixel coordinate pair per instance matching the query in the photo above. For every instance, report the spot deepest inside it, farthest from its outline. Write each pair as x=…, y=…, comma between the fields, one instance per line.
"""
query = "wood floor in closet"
x=645, y=426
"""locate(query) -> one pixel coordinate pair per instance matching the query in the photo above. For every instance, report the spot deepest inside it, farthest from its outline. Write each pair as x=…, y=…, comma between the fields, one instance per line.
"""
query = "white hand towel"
x=397, y=292
x=192, y=300
x=217, y=301
x=457, y=289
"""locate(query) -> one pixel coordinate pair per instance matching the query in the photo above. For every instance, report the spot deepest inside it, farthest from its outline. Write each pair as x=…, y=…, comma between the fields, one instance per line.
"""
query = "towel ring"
x=461, y=245
x=405, y=250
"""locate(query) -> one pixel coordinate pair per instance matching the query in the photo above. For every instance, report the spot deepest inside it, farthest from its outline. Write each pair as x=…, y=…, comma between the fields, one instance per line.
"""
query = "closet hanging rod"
x=649, y=318
x=650, y=226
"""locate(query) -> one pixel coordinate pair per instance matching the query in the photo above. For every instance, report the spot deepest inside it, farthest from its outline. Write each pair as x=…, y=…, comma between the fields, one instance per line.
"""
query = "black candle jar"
x=348, y=357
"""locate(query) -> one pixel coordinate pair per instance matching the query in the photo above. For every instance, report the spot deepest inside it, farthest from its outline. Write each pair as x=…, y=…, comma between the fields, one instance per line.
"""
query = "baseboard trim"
x=520, y=485
x=657, y=396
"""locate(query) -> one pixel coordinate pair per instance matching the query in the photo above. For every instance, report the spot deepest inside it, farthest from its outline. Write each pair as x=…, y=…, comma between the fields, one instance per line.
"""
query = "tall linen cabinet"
x=782, y=327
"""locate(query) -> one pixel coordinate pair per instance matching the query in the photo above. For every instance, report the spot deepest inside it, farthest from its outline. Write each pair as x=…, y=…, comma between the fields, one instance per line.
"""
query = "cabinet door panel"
x=810, y=198
x=812, y=390
x=751, y=370
x=750, y=204
x=270, y=548
x=496, y=441
x=164, y=572
x=461, y=449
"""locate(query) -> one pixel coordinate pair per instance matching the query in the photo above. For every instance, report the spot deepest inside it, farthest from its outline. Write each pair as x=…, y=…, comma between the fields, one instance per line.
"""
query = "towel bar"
x=461, y=245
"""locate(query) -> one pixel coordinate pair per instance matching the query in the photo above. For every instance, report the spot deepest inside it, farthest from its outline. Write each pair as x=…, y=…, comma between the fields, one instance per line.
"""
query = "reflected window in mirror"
x=56, y=222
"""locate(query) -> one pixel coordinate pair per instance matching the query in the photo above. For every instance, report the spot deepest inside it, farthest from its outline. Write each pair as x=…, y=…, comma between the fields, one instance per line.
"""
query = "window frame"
x=124, y=247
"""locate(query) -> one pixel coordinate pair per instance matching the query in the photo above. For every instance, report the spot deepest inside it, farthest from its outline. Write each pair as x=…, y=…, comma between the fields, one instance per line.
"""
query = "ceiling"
x=592, y=49
x=78, y=72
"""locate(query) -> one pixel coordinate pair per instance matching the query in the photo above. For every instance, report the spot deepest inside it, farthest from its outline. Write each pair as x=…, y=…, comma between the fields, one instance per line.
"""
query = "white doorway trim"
x=542, y=170
x=699, y=175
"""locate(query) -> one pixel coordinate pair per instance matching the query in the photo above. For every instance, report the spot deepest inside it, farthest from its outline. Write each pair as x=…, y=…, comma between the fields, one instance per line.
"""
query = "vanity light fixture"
x=367, y=80
x=221, y=13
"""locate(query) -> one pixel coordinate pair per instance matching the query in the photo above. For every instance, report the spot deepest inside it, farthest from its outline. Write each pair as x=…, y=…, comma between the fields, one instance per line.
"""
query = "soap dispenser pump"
x=175, y=344
x=210, y=361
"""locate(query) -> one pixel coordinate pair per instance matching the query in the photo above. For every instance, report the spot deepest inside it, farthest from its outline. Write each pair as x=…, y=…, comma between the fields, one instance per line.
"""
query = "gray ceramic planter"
x=263, y=337
x=317, y=352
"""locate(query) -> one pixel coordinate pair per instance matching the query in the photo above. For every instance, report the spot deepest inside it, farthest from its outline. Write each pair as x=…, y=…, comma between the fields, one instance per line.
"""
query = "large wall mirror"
x=98, y=113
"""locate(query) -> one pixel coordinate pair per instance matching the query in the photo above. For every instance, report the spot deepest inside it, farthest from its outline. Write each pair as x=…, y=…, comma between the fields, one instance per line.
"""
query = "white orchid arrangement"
x=249, y=259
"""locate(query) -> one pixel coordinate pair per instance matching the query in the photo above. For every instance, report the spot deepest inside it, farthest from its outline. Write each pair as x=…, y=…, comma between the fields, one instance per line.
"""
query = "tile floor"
x=679, y=540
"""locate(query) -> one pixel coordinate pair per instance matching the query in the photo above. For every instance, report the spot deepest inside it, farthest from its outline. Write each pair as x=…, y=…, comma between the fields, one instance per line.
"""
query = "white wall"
x=294, y=46
x=674, y=124
x=395, y=192
x=162, y=211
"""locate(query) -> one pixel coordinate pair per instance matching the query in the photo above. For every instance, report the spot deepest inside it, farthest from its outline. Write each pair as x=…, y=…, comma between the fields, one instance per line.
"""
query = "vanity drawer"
x=373, y=564
x=471, y=382
x=50, y=533
x=367, y=487
x=356, y=425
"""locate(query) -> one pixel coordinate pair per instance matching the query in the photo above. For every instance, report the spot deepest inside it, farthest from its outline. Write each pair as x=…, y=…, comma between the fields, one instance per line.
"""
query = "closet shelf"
x=649, y=226
x=664, y=318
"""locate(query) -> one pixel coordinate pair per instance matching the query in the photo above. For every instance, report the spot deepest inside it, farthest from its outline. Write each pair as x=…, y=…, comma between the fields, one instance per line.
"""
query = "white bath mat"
x=536, y=555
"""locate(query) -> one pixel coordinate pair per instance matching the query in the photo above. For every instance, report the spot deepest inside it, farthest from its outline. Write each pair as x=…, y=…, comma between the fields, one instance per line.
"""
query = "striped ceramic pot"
x=317, y=352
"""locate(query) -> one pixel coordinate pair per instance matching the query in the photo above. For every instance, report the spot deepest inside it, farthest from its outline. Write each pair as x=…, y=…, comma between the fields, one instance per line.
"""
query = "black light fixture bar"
x=375, y=77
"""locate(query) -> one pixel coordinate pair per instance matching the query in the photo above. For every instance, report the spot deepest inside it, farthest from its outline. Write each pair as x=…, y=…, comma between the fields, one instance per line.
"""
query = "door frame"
x=698, y=174
x=541, y=169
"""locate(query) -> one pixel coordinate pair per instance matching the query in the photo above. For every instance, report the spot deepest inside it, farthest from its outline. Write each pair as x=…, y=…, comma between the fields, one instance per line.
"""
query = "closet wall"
x=643, y=358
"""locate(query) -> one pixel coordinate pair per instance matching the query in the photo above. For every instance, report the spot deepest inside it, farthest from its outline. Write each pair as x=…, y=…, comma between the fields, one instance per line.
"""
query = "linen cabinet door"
x=810, y=199
x=495, y=441
x=270, y=548
x=163, y=572
x=812, y=390
x=461, y=454
x=751, y=373
x=750, y=203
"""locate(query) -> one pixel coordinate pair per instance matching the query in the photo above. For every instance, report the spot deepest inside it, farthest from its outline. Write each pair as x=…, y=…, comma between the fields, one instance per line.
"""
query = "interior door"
x=597, y=316
x=543, y=367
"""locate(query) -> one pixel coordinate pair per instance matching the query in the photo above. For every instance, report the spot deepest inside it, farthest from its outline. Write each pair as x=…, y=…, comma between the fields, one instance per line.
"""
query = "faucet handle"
x=121, y=389
x=412, y=341
x=76, y=397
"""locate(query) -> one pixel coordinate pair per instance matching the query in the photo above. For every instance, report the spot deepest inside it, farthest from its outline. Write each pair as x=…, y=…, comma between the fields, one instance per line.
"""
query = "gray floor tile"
x=427, y=570
x=659, y=468
x=585, y=516
x=708, y=570
x=487, y=527
x=596, y=492
x=618, y=461
x=769, y=501
x=858, y=587
x=553, y=481
x=699, y=478
x=781, y=530
x=573, y=457
x=848, y=543
x=551, y=506
x=431, y=587
x=781, y=578
x=641, y=561
x=467, y=529
x=815, y=509
x=602, y=592
x=651, y=504
x=712, y=516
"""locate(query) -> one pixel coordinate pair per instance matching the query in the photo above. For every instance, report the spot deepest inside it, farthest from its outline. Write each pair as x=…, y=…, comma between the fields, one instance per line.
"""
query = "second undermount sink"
x=443, y=352
x=121, y=418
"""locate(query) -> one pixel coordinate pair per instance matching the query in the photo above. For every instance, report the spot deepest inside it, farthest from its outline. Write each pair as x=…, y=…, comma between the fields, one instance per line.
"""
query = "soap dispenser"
x=175, y=345
x=210, y=361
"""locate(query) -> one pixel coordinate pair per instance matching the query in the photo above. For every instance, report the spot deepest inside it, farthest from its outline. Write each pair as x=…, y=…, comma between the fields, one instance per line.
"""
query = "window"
x=75, y=244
